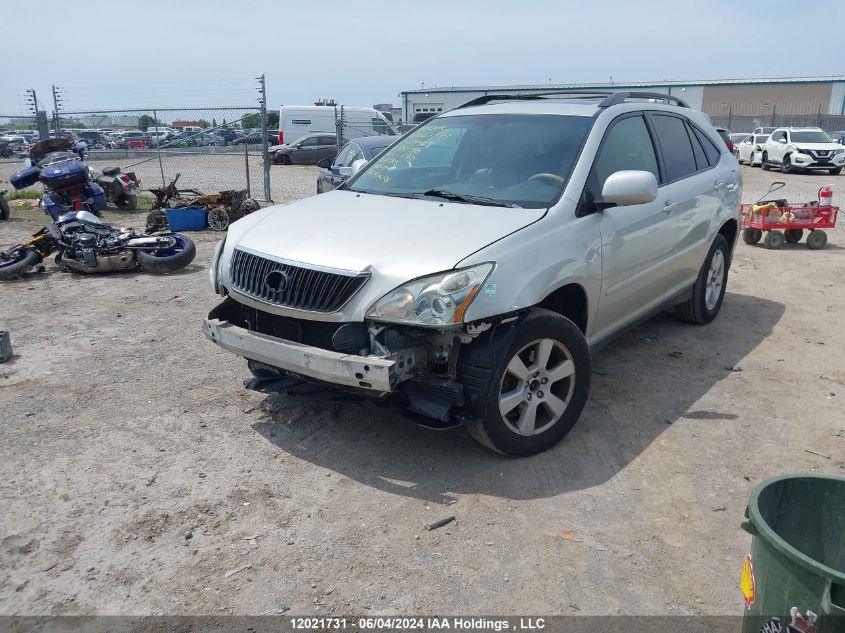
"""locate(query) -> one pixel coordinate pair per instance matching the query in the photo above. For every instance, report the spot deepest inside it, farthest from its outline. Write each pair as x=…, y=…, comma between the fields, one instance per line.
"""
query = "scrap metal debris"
x=439, y=524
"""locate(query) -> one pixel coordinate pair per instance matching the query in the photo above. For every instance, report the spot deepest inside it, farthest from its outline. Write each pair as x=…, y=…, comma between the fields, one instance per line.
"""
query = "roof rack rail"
x=610, y=97
x=574, y=94
x=621, y=97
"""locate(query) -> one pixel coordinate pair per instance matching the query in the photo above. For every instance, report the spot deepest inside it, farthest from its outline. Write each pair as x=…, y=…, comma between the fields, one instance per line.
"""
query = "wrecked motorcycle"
x=57, y=164
x=86, y=245
x=120, y=187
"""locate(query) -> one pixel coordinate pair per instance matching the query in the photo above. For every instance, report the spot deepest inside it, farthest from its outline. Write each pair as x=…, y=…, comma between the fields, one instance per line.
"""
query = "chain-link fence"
x=744, y=123
x=17, y=131
x=209, y=149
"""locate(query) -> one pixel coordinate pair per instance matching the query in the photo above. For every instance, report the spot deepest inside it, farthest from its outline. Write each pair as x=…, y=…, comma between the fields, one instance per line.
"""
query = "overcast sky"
x=207, y=52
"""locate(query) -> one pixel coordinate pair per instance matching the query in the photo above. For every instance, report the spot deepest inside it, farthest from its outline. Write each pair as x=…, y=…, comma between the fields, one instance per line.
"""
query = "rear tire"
x=708, y=292
x=752, y=236
x=4, y=209
x=14, y=268
x=817, y=240
x=170, y=260
x=126, y=203
x=793, y=236
x=774, y=240
x=542, y=396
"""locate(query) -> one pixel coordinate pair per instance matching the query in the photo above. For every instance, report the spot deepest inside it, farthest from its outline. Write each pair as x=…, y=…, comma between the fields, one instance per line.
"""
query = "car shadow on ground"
x=642, y=383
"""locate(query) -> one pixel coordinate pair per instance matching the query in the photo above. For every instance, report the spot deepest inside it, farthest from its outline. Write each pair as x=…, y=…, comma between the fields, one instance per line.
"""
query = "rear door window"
x=675, y=146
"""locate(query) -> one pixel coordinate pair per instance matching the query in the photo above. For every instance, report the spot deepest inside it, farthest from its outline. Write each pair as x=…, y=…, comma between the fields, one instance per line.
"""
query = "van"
x=297, y=121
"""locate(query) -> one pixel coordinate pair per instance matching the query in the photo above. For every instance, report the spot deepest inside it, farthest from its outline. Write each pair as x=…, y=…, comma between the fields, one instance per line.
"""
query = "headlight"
x=436, y=301
x=212, y=267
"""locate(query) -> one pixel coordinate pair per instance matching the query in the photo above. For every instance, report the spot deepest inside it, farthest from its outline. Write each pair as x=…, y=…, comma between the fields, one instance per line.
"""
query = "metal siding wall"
x=759, y=99
x=837, y=98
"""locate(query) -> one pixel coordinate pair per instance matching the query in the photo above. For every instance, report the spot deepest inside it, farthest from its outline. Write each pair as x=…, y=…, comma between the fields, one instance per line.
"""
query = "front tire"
x=126, y=203
x=15, y=267
x=168, y=260
x=786, y=165
x=764, y=162
x=541, y=386
x=816, y=240
x=708, y=292
x=774, y=240
x=835, y=172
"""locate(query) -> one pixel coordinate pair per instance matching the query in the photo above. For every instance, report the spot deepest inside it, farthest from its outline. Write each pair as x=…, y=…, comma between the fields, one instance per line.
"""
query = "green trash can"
x=794, y=579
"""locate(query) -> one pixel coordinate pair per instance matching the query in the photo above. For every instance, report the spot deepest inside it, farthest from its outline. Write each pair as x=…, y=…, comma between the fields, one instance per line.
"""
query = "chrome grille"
x=303, y=288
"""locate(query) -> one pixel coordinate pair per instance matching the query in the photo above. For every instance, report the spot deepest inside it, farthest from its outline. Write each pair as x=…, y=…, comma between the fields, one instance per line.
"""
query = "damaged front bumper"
x=371, y=373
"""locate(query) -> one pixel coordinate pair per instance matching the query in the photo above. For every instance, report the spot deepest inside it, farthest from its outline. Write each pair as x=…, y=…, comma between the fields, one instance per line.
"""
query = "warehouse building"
x=764, y=98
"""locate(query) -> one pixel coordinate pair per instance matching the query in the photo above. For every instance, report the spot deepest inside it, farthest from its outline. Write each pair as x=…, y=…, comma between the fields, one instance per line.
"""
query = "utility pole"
x=265, y=154
x=40, y=116
x=57, y=100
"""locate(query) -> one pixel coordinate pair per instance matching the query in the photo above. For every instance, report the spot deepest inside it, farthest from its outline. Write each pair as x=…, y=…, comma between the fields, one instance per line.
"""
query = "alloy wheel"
x=715, y=280
x=537, y=387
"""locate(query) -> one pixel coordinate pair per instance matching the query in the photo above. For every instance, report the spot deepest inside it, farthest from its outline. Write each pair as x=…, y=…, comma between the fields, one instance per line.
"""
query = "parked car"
x=205, y=139
x=308, y=150
x=736, y=138
x=726, y=137
x=838, y=137
x=228, y=135
x=808, y=149
x=160, y=137
x=332, y=174
x=467, y=271
x=750, y=149
x=254, y=138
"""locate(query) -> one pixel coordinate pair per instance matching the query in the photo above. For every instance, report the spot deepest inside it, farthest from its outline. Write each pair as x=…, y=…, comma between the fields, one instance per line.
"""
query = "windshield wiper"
x=457, y=197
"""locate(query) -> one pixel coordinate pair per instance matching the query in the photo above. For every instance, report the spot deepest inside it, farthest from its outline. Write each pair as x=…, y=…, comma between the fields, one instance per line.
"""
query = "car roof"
x=587, y=103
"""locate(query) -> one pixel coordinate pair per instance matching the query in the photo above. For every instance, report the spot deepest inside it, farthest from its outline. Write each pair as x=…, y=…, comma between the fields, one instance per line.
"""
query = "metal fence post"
x=265, y=154
x=158, y=148
x=246, y=164
x=730, y=116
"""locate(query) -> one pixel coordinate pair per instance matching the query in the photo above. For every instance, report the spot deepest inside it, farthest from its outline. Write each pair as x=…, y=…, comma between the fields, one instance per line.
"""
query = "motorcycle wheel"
x=15, y=267
x=4, y=209
x=126, y=203
x=170, y=259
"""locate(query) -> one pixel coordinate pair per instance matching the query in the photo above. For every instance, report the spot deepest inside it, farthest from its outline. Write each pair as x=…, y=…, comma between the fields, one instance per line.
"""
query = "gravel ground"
x=137, y=476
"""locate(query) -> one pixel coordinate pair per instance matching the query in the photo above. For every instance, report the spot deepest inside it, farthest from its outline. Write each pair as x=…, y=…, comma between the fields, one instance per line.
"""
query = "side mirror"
x=357, y=165
x=782, y=140
x=629, y=187
x=324, y=163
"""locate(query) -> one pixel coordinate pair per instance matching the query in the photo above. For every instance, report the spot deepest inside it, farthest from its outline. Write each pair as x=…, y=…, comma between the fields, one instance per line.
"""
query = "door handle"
x=667, y=207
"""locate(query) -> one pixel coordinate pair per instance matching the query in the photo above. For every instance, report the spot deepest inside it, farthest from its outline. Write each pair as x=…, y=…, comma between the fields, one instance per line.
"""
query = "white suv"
x=807, y=148
x=466, y=273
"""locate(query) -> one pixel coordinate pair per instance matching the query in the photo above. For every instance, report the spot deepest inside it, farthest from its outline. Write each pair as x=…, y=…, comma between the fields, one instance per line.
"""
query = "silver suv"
x=468, y=271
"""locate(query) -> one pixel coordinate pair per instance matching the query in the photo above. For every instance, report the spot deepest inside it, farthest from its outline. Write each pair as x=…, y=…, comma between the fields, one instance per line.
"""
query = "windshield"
x=512, y=159
x=812, y=136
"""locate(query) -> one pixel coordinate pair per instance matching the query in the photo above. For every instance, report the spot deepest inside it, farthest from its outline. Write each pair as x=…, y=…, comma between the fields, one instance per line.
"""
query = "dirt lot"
x=137, y=476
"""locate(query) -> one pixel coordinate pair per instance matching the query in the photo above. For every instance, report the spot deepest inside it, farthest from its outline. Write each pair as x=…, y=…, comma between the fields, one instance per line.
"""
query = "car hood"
x=393, y=238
